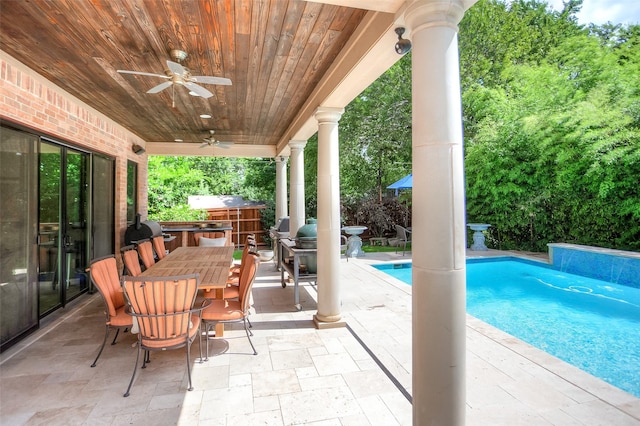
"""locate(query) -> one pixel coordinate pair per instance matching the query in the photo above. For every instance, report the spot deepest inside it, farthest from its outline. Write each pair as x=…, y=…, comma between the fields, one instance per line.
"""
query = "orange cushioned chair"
x=145, y=250
x=163, y=309
x=158, y=247
x=249, y=244
x=226, y=311
x=232, y=291
x=104, y=275
x=131, y=261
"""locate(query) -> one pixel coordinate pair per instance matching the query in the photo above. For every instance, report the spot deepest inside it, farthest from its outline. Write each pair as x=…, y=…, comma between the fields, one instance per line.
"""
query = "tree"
x=375, y=142
x=552, y=145
x=173, y=179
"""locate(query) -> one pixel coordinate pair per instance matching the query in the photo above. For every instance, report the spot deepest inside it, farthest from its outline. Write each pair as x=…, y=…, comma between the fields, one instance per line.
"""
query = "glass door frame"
x=73, y=254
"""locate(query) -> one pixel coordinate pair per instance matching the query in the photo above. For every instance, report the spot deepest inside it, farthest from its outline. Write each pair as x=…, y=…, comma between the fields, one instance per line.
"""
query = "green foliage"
x=268, y=219
x=375, y=135
x=553, y=142
x=380, y=217
x=173, y=179
x=375, y=143
x=179, y=213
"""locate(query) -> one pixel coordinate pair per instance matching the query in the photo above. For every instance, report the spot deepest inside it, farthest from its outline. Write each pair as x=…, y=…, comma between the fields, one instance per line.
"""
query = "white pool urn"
x=478, y=236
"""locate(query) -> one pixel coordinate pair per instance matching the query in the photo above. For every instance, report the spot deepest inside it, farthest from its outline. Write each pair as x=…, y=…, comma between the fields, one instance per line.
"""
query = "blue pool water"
x=589, y=323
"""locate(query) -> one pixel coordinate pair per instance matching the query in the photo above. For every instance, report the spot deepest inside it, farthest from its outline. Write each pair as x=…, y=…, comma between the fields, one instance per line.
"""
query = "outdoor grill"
x=282, y=225
x=280, y=230
x=141, y=230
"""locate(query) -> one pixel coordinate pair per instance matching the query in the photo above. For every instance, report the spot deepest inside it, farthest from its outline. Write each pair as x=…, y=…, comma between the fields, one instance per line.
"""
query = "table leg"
x=219, y=329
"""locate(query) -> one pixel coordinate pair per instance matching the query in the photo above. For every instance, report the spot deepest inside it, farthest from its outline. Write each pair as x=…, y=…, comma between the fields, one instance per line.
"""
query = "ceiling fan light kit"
x=178, y=74
x=212, y=141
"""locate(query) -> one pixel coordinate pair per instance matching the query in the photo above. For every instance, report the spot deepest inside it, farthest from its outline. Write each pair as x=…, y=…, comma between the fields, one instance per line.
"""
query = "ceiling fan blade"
x=199, y=90
x=224, y=145
x=176, y=68
x=211, y=80
x=204, y=145
x=150, y=74
x=160, y=87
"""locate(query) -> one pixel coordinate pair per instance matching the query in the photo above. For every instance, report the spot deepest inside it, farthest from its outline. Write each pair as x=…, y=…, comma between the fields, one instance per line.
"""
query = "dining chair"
x=131, y=261
x=163, y=309
x=104, y=275
x=249, y=245
x=219, y=238
x=232, y=291
x=404, y=237
x=159, y=247
x=227, y=311
x=145, y=250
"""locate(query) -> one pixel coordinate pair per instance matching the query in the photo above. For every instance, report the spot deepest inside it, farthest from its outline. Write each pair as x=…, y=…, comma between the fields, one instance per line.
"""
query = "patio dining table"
x=211, y=263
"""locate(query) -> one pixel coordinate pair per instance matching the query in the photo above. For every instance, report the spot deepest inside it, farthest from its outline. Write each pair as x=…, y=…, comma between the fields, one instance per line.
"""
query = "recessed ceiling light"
x=177, y=140
x=205, y=115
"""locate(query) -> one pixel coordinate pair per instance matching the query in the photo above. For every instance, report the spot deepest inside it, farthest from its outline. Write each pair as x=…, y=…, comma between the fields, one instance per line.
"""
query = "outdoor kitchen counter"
x=185, y=234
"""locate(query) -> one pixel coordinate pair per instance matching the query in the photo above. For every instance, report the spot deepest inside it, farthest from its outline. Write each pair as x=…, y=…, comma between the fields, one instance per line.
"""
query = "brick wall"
x=28, y=99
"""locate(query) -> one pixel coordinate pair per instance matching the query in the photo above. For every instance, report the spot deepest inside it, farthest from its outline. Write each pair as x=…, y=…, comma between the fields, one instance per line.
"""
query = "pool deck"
x=357, y=375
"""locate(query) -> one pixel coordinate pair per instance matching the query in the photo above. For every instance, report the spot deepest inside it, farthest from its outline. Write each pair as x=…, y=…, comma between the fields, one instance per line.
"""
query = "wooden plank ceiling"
x=275, y=53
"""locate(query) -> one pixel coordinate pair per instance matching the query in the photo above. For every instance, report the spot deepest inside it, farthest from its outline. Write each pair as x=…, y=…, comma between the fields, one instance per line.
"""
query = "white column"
x=438, y=247
x=328, y=314
x=296, y=203
x=281, y=187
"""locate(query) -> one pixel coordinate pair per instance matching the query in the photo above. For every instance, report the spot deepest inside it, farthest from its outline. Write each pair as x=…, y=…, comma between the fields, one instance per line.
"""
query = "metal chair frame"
x=164, y=315
x=130, y=267
x=229, y=307
x=110, y=303
x=403, y=237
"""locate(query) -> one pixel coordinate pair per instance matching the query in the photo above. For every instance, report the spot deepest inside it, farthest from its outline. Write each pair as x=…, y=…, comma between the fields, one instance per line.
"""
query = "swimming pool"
x=589, y=323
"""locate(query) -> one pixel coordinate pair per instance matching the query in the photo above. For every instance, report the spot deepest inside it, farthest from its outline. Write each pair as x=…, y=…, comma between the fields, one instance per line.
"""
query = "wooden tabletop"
x=212, y=263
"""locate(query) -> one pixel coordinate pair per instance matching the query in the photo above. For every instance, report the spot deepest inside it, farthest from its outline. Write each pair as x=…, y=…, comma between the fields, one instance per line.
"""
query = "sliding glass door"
x=103, y=202
x=57, y=206
x=18, y=219
x=63, y=225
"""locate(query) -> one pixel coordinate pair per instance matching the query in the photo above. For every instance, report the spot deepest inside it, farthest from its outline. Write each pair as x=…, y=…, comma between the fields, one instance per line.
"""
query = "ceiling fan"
x=212, y=141
x=177, y=74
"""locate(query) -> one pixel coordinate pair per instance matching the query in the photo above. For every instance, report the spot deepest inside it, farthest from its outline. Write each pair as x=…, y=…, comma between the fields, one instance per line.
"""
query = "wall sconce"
x=138, y=149
x=403, y=45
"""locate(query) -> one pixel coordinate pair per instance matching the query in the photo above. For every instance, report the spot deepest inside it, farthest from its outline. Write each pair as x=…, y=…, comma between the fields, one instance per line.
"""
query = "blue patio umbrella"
x=404, y=183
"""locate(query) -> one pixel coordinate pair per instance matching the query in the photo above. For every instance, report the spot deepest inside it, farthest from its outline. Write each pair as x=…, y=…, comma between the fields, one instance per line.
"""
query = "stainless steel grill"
x=280, y=230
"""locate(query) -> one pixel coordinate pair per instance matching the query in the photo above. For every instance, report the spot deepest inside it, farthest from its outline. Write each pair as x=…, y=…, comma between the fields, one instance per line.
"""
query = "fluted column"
x=297, y=202
x=438, y=248
x=281, y=187
x=328, y=314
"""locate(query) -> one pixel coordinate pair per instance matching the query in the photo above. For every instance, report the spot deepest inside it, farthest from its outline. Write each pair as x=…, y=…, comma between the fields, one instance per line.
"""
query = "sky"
x=603, y=11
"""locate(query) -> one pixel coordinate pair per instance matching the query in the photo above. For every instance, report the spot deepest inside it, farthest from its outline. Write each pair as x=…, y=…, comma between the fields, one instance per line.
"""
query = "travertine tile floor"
x=357, y=375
